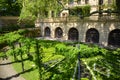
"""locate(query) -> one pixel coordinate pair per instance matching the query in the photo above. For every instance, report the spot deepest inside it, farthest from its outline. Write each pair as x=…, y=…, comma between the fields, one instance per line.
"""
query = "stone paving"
x=7, y=72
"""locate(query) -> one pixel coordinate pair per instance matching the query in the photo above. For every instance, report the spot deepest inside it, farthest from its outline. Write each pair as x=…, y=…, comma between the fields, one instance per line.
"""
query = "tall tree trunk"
x=22, y=62
x=14, y=55
x=38, y=60
x=100, y=7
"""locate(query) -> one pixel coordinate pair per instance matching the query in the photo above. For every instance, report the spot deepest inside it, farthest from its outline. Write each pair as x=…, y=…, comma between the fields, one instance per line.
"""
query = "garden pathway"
x=7, y=72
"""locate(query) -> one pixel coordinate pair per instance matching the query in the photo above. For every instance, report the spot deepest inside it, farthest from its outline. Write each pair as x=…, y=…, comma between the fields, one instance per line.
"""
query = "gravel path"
x=7, y=72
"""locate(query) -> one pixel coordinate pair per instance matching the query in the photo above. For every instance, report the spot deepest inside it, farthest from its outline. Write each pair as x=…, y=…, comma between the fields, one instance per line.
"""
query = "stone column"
x=103, y=33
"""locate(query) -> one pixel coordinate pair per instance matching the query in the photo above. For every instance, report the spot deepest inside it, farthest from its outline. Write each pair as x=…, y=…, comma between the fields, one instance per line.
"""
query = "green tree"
x=32, y=9
x=118, y=5
x=10, y=7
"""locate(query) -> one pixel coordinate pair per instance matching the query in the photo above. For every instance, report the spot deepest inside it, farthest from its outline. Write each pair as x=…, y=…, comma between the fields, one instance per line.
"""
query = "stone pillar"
x=103, y=33
x=38, y=24
x=65, y=32
x=52, y=30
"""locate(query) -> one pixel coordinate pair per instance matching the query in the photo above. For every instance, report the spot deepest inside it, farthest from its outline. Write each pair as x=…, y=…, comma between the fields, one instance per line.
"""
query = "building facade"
x=94, y=4
x=104, y=30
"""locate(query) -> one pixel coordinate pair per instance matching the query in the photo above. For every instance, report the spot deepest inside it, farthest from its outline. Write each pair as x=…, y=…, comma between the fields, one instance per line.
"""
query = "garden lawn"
x=48, y=55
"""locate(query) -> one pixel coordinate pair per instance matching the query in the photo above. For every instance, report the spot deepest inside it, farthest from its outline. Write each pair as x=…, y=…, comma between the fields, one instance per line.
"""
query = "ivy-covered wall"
x=80, y=10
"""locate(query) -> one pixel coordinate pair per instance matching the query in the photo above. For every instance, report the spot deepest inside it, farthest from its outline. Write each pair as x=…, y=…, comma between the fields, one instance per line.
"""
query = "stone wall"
x=103, y=26
x=8, y=20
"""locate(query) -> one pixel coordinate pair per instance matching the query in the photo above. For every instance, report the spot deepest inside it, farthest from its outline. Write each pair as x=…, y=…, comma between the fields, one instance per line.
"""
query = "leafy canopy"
x=31, y=9
x=10, y=7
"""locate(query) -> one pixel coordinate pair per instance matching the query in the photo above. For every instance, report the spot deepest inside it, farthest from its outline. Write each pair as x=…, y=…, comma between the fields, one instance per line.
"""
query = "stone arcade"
x=103, y=31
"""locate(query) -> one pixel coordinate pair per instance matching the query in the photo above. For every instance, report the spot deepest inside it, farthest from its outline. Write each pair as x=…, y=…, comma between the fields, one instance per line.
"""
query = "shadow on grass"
x=17, y=75
x=18, y=61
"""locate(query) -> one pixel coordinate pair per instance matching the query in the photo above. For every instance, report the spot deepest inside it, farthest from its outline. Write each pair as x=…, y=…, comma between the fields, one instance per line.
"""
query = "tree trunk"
x=22, y=62
x=38, y=60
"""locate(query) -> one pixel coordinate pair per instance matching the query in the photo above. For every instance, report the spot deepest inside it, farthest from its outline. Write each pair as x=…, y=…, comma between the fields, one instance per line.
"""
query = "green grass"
x=33, y=75
x=28, y=75
x=52, y=55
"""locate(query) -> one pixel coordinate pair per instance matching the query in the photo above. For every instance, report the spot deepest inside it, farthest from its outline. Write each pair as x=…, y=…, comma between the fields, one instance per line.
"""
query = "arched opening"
x=73, y=34
x=114, y=38
x=58, y=32
x=47, y=32
x=92, y=36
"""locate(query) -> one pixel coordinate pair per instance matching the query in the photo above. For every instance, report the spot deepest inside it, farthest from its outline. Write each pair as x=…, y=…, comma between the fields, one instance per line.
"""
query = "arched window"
x=100, y=2
x=58, y=32
x=47, y=32
x=92, y=35
x=114, y=38
x=73, y=34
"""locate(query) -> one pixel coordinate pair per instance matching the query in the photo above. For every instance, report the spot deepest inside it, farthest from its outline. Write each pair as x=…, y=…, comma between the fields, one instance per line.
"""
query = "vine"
x=80, y=10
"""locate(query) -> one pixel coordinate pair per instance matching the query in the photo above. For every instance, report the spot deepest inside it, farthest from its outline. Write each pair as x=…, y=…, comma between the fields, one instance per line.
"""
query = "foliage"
x=104, y=66
x=80, y=10
x=14, y=27
x=11, y=37
x=118, y=5
x=32, y=9
x=112, y=63
x=10, y=7
x=57, y=60
x=9, y=28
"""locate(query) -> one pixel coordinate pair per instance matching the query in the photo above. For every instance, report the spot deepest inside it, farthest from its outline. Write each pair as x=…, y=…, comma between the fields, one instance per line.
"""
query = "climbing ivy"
x=80, y=10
